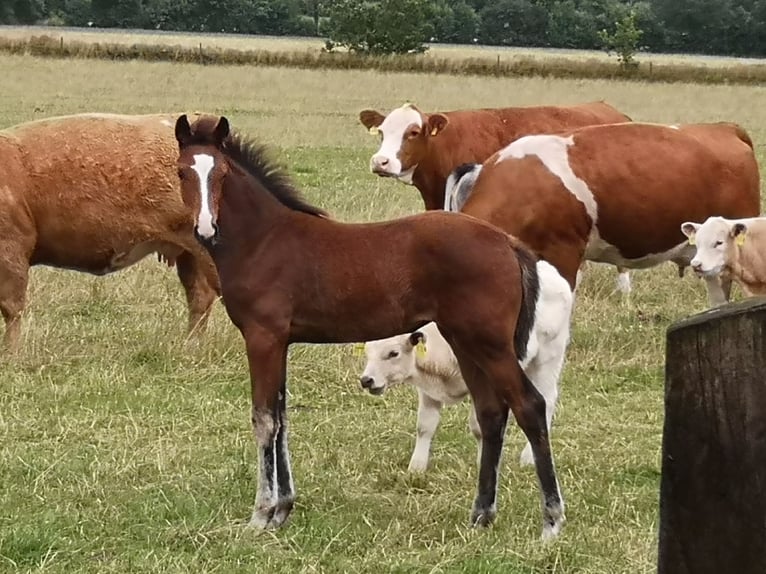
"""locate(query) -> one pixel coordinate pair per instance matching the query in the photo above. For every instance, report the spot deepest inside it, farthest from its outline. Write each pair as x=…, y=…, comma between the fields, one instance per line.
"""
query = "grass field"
x=124, y=449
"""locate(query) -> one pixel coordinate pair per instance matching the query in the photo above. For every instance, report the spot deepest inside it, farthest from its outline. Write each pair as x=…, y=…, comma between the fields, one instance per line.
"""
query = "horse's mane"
x=254, y=159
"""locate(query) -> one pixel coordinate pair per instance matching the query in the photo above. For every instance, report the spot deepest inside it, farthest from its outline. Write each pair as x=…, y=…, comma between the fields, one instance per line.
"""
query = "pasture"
x=125, y=448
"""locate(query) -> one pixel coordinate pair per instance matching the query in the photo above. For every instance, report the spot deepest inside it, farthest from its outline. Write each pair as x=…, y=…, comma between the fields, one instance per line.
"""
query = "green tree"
x=454, y=21
x=384, y=27
x=624, y=40
x=513, y=23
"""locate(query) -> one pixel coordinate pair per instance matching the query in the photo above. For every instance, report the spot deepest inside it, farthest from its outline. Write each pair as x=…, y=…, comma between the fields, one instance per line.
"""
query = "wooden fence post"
x=713, y=486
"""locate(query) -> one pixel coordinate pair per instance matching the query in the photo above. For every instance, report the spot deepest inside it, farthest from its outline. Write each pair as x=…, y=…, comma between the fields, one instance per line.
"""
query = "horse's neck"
x=249, y=213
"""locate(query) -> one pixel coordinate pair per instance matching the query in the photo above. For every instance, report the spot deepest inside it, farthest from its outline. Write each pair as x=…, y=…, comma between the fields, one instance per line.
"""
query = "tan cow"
x=422, y=149
x=730, y=249
x=95, y=193
x=615, y=194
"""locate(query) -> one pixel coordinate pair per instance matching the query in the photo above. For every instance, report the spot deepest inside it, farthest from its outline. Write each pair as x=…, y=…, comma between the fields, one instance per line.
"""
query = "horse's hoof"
x=262, y=518
x=552, y=529
x=282, y=511
x=483, y=516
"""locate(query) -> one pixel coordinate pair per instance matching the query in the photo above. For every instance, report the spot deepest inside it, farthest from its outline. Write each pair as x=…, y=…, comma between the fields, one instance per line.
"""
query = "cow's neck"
x=430, y=183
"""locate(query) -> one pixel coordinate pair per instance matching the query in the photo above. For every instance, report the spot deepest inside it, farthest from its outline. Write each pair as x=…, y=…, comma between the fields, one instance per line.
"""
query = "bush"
x=378, y=28
x=623, y=41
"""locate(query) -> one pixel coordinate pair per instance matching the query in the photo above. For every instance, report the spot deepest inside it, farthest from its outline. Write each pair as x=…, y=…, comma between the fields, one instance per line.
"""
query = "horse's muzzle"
x=207, y=241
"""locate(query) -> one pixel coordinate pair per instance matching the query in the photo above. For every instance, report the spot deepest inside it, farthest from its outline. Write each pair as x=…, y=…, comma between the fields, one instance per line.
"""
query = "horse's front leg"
x=266, y=356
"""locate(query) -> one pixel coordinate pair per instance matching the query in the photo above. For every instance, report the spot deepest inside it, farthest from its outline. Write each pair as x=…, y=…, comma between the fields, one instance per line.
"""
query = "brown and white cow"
x=730, y=249
x=422, y=149
x=615, y=194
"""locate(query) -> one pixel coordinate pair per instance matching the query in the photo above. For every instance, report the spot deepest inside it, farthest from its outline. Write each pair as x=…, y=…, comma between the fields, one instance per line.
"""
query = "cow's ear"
x=417, y=337
x=371, y=119
x=436, y=123
x=738, y=231
x=183, y=130
x=689, y=228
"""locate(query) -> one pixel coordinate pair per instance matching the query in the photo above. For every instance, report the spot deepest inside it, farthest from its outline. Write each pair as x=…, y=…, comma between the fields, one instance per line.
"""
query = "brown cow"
x=95, y=193
x=422, y=149
x=616, y=194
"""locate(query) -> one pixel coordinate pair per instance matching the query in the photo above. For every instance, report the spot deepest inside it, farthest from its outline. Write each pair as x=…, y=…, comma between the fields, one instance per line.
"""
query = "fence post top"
x=719, y=313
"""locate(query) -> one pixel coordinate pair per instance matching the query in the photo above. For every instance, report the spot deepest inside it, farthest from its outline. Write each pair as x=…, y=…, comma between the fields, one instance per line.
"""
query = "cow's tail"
x=459, y=185
x=530, y=293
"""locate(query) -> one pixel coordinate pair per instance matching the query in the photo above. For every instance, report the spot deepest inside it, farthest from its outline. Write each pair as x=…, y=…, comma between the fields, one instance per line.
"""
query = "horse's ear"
x=221, y=131
x=183, y=130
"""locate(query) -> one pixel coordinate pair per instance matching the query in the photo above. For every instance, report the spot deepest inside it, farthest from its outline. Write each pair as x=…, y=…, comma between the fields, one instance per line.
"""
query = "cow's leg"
x=14, y=277
x=266, y=357
x=623, y=281
x=200, y=292
x=726, y=287
x=429, y=413
x=715, y=291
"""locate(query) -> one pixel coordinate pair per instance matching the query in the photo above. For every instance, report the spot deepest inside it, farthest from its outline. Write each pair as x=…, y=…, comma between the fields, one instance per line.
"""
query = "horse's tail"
x=460, y=185
x=530, y=293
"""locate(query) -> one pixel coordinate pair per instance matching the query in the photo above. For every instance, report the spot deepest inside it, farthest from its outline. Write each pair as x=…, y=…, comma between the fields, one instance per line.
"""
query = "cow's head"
x=390, y=361
x=405, y=135
x=716, y=240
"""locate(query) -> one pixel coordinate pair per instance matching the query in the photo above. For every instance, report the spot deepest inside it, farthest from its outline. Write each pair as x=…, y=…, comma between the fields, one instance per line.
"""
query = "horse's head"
x=202, y=167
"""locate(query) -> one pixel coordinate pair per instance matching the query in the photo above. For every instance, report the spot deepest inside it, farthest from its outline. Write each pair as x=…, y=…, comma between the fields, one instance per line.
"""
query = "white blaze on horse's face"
x=400, y=126
x=203, y=166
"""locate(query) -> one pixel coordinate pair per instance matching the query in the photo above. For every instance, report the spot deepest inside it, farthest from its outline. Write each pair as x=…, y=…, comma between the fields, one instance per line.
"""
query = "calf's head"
x=390, y=361
x=715, y=239
x=405, y=136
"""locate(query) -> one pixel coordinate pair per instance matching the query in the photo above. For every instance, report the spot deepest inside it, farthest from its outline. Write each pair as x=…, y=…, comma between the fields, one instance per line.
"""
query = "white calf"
x=729, y=249
x=425, y=360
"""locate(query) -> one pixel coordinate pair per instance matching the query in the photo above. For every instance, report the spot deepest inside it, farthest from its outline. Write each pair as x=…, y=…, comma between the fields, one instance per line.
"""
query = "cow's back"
x=98, y=182
x=474, y=135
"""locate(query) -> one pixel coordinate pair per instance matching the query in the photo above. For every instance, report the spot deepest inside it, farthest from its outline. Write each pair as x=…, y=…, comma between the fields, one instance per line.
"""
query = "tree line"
x=730, y=27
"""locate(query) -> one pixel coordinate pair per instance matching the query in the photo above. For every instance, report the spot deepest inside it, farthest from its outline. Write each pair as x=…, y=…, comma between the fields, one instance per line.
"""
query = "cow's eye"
x=392, y=355
x=413, y=134
x=718, y=243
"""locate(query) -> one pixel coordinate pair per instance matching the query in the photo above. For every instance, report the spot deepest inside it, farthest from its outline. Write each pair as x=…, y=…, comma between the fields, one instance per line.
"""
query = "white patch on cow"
x=603, y=252
x=674, y=127
x=552, y=151
x=167, y=123
x=203, y=164
x=386, y=160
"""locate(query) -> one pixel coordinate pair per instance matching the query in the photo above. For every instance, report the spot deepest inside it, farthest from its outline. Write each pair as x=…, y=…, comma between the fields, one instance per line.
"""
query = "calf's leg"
x=14, y=277
x=429, y=413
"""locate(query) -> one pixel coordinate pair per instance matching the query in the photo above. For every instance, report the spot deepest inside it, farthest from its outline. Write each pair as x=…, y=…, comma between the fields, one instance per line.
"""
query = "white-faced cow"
x=426, y=361
x=615, y=194
x=422, y=149
x=730, y=249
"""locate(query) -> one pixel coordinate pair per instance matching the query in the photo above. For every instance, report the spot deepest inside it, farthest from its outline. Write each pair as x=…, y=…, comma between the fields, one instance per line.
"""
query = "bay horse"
x=95, y=193
x=291, y=274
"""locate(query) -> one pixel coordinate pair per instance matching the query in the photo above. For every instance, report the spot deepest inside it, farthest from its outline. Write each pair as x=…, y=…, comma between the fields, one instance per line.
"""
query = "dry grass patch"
x=125, y=448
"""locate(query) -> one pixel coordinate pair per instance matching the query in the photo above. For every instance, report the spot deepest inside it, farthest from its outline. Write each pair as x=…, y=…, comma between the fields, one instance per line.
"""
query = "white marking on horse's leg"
x=203, y=164
x=264, y=428
x=473, y=425
x=623, y=281
x=715, y=292
x=428, y=419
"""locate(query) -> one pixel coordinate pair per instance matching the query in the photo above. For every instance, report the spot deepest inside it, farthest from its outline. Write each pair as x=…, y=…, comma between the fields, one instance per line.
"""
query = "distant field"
x=285, y=44
x=126, y=450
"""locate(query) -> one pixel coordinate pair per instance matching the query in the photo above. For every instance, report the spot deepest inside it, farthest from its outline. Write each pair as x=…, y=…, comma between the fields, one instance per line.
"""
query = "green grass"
x=125, y=449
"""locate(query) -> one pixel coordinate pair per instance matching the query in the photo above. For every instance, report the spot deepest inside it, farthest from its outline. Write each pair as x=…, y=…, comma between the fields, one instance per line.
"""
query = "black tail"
x=530, y=292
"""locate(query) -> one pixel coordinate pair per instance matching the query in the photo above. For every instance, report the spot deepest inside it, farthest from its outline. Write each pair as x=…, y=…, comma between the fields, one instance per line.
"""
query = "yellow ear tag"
x=374, y=130
x=691, y=240
x=740, y=239
x=420, y=350
x=434, y=131
x=359, y=349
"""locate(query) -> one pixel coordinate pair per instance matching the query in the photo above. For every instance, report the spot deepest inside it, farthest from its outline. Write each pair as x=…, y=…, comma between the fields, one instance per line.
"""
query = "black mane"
x=254, y=159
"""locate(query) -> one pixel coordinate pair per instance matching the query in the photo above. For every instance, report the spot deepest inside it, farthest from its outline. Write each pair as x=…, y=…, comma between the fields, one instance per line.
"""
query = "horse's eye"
x=392, y=355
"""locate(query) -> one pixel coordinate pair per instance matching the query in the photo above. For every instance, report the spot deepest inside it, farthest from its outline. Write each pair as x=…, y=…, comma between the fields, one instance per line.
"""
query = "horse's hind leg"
x=201, y=292
x=14, y=276
x=529, y=409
